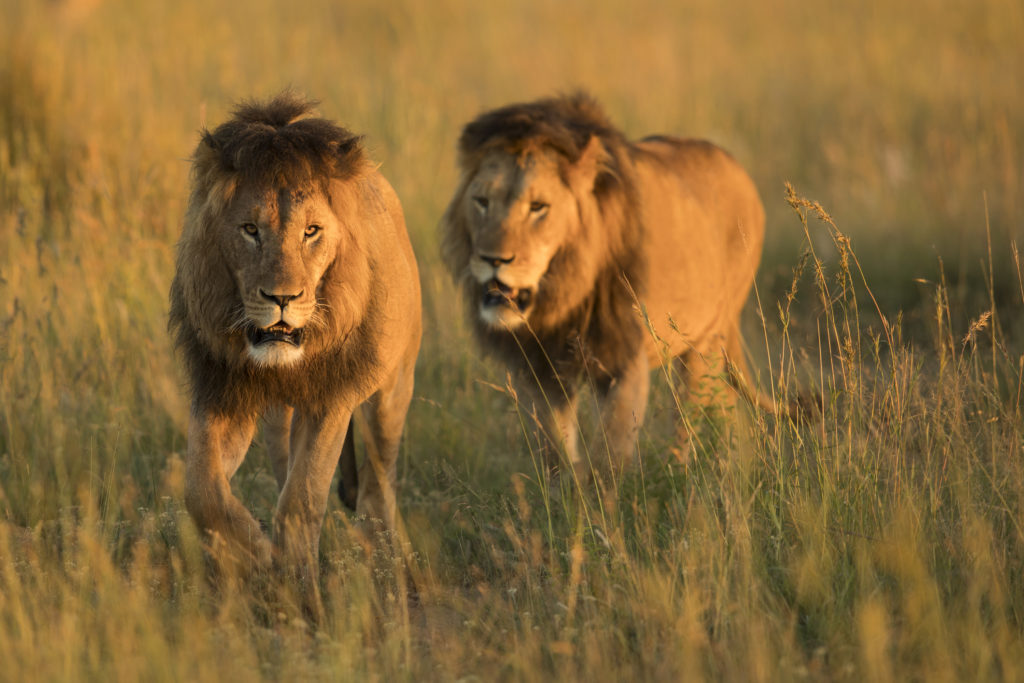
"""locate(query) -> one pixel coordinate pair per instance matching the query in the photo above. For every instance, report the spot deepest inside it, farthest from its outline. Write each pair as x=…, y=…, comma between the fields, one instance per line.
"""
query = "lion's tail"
x=806, y=406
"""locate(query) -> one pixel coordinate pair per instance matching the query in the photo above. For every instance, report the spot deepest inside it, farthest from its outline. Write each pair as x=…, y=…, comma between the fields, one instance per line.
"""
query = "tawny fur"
x=667, y=226
x=276, y=171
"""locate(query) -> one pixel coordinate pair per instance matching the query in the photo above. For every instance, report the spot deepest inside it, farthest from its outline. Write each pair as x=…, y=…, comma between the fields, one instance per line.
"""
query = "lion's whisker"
x=239, y=322
x=319, y=317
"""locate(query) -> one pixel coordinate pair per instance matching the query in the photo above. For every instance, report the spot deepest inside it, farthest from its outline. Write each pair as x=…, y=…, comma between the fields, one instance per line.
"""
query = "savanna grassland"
x=883, y=541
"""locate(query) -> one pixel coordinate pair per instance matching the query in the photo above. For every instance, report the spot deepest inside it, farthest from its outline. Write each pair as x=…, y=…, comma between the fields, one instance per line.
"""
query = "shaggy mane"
x=279, y=142
x=562, y=124
x=602, y=333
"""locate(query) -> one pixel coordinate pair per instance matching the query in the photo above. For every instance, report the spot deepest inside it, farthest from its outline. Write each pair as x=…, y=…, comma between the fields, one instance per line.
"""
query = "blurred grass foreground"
x=883, y=542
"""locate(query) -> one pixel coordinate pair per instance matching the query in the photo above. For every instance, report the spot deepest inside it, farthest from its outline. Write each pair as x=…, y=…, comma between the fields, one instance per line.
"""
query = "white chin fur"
x=275, y=354
x=501, y=317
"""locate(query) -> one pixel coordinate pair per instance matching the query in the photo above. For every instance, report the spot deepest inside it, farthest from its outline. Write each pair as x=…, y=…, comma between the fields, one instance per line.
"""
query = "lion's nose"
x=497, y=260
x=280, y=299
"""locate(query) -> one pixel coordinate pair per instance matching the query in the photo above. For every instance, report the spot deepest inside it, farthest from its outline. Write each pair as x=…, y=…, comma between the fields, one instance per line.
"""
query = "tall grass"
x=883, y=540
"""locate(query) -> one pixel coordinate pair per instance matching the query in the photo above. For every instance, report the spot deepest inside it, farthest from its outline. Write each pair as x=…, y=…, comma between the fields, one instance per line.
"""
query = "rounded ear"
x=208, y=162
x=349, y=157
x=591, y=163
x=455, y=243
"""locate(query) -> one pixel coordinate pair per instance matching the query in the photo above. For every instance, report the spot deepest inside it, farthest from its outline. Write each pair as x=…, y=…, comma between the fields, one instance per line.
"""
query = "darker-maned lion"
x=560, y=227
x=295, y=295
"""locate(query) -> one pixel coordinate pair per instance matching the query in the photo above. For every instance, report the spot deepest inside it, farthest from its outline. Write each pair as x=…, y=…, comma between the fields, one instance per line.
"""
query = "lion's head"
x=540, y=210
x=271, y=268
x=544, y=229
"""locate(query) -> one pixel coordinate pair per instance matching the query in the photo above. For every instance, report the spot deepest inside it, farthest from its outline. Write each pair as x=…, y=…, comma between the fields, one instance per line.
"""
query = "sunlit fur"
x=295, y=294
x=667, y=226
x=239, y=170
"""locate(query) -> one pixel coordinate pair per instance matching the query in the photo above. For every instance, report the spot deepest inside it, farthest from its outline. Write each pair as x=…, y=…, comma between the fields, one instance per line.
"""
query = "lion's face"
x=278, y=243
x=519, y=213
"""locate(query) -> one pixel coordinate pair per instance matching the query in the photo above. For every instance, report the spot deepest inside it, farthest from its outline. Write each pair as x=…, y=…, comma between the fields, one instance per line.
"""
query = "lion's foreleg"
x=622, y=410
x=316, y=440
x=277, y=431
x=216, y=447
x=554, y=413
x=706, y=387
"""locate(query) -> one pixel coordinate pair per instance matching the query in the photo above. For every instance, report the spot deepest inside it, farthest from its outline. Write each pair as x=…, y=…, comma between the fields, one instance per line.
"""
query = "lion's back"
x=704, y=230
x=393, y=234
x=398, y=302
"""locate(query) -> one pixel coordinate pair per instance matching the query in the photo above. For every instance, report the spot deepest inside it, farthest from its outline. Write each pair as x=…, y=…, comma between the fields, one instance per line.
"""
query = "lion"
x=296, y=296
x=584, y=255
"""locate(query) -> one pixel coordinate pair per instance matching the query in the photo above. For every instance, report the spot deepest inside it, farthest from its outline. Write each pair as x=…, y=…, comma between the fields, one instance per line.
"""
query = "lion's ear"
x=208, y=156
x=586, y=169
x=349, y=158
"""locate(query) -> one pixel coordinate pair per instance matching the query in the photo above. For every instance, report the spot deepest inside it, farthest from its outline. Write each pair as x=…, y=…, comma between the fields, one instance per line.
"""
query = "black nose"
x=497, y=260
x=280, y=299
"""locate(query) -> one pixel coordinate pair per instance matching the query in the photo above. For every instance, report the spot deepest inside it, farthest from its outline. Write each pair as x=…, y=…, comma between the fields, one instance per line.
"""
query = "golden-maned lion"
x=560, y=227
x=295, y=295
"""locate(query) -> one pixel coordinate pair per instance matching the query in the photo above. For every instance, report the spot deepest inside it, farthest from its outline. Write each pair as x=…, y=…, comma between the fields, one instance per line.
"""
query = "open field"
x=884, y=542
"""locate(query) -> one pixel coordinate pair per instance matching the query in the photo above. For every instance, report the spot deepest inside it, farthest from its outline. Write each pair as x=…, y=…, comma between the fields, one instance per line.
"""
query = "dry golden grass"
x=883, y=542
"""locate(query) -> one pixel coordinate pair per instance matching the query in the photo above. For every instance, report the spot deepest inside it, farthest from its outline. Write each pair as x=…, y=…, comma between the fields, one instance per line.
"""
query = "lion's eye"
x=312, y=230
x=481, y=203
x=251, y=230
x=538, y=207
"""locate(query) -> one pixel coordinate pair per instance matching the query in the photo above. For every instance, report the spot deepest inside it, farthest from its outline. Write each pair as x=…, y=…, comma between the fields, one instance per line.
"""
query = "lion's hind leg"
x=381, y=420
x=705, y=377
x=704, y=390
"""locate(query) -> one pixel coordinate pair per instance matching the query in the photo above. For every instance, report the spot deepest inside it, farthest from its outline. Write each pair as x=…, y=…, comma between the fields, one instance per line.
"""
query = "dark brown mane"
x=234, y=385
x=277, y=141
x=565, y=124
x=562, y=124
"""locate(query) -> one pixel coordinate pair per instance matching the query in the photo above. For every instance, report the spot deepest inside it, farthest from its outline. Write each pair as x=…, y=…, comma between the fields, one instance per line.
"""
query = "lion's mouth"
x=498, y=294
x=276, y=333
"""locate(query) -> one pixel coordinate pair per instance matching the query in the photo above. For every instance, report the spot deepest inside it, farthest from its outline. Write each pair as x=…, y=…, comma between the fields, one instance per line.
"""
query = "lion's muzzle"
x=275, y=326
